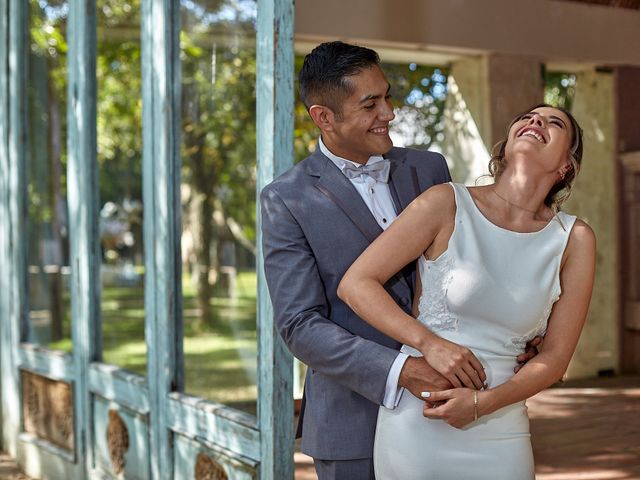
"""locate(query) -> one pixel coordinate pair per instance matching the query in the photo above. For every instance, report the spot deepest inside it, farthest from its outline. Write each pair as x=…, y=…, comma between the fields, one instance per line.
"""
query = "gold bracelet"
x=475, y=405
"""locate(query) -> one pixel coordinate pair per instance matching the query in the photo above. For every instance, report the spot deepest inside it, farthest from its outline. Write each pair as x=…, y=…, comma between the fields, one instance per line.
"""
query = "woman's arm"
x=565, y=324
x=425, y=225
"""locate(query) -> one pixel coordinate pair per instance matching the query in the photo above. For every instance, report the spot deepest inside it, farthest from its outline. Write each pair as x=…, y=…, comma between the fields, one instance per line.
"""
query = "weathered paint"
x=187, y=450
x=214, y=423
x=83, y=201
x=50, y=363
x=47, y=460
x=274, y=90
x=161, y=191
x=137, y=456
x=14, y=218
x=5, y=342
x=112, y=383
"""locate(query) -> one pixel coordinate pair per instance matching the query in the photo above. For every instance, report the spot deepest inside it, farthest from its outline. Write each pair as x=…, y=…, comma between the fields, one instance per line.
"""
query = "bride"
x=498, y=265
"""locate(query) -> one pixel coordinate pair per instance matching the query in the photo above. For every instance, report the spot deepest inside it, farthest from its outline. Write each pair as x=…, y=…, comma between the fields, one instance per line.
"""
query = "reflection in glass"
x=47, y=226
x=119, y=130
x=218, y=54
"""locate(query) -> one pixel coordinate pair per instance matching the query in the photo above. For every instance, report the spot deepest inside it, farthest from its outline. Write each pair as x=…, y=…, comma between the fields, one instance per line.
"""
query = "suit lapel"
x=403, y=182
x=333, y=184
x=339, y=190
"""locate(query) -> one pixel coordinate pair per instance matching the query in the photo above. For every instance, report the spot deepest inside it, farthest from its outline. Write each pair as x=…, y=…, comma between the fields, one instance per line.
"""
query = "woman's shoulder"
x=583, y=231
x=582, y=237
x=439, y=195
x=436, y=201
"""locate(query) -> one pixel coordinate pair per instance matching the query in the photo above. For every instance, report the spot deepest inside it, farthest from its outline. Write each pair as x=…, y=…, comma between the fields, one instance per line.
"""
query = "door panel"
x=121, y=445
x=200, y=461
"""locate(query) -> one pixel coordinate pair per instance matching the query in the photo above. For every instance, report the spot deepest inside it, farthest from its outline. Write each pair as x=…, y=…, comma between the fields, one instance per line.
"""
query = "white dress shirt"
x=377, y=197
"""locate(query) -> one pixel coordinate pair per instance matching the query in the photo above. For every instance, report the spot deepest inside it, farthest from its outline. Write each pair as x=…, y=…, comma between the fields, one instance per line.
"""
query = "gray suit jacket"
x=315, y=224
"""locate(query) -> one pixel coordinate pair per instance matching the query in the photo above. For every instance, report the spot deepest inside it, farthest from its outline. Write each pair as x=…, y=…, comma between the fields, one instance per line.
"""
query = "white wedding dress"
x=492, y=290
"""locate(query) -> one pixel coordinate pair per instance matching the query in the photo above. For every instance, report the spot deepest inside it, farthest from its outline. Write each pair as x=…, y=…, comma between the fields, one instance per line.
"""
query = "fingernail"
x=425, y=394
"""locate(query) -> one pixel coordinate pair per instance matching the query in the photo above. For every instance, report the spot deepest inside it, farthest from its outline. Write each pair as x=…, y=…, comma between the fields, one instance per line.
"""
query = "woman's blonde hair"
x=561, y=191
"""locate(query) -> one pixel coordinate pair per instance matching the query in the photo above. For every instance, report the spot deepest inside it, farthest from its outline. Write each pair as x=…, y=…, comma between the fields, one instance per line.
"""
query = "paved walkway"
x=9, y=470
x=584, y=430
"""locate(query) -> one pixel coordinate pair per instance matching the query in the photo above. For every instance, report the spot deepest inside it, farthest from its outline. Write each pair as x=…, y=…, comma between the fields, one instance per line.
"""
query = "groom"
x=317, y=218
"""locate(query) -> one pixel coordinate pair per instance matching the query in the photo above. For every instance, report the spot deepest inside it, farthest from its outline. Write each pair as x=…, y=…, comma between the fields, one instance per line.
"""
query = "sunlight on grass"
x=220, y=354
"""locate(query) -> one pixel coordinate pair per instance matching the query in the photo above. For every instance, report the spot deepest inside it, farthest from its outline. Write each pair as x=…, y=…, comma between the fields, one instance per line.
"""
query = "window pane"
x=218, y=199
x=47, y=226
x=120, y=172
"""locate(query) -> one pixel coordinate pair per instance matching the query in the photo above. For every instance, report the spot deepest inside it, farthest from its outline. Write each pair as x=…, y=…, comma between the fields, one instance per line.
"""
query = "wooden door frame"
x=259, y=447
x=629, y=338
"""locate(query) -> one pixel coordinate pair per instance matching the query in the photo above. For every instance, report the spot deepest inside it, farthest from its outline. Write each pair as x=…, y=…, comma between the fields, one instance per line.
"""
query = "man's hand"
x=533, y=348
x=417, y=377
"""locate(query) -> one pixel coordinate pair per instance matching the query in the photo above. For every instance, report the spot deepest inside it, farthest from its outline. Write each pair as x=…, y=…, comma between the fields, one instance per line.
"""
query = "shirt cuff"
x=393, y=392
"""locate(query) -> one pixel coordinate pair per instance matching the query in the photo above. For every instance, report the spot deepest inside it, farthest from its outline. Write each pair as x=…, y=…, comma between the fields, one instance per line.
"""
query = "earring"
x=562, y=174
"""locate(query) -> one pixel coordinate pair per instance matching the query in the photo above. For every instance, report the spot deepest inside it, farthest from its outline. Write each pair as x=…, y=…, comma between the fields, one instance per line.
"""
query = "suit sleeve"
x=301, y=308
x=445, y=168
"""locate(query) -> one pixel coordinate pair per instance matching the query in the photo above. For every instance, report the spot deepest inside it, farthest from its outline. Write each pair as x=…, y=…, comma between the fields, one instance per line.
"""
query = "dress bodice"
x=493, y=289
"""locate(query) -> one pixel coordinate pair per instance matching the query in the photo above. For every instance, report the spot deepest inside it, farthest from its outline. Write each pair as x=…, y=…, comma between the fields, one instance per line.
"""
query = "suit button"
x=404, y=301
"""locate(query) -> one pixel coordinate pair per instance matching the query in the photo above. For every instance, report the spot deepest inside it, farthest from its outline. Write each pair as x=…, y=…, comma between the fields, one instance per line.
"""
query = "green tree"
x=46, y=185
x=119, y=102
x=218, y=135
x=559, y=89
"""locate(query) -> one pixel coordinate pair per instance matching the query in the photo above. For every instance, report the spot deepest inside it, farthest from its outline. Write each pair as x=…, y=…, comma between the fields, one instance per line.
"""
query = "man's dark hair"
x=323, y=78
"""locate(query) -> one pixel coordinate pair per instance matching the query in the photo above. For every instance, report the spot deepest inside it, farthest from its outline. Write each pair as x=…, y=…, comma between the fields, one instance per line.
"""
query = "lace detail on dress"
x=518, y=344
x=433, y=309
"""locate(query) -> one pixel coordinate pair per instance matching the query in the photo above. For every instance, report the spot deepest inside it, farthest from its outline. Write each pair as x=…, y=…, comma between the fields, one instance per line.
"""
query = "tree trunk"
x=204, y=237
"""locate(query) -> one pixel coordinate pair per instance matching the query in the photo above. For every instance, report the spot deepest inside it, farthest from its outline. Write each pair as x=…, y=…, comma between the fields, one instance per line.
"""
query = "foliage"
x=47, y=74
x=119, y=102
x=559, y=89
x=420, y=91
x=218, y=123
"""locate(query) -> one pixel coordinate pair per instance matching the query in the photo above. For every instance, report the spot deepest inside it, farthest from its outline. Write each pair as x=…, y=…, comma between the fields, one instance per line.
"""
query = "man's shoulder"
x=303, y=173
x=415, y=156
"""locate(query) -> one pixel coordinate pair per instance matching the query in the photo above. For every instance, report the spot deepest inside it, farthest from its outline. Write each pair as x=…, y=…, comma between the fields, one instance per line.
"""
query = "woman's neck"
x=521, y=196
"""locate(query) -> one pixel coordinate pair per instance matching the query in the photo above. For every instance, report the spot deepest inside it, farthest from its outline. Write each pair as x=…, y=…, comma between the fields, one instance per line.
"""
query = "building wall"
x=595, y=199
x=546, y=29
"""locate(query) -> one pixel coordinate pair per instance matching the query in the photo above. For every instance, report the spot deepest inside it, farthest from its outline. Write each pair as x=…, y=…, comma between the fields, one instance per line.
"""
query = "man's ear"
x=323, y=117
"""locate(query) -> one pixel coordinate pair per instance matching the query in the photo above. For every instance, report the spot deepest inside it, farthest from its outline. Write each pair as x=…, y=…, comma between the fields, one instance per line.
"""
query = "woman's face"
x=544, y=133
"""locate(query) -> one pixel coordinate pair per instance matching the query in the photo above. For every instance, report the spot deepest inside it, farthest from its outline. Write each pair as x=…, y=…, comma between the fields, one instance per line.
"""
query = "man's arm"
x=301, y=308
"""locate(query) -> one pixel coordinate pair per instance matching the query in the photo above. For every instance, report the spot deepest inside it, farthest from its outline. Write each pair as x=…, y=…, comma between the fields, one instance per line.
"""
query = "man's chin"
x=385, y=146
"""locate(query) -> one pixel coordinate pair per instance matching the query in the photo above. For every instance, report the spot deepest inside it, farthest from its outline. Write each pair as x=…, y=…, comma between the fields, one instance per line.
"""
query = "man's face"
x=362, y=128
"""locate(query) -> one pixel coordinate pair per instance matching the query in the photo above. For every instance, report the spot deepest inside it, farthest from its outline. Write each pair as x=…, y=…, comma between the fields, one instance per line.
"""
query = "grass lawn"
x=220, y=353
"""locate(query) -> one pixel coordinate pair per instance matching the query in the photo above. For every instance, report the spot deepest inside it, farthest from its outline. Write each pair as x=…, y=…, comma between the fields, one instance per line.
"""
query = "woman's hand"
x=458, y=409
x=456, y=363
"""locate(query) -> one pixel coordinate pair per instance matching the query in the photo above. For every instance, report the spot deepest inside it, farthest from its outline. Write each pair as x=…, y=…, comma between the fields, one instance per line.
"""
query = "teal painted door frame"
x=5, y=339
x=169, y=432
x=274, y=91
